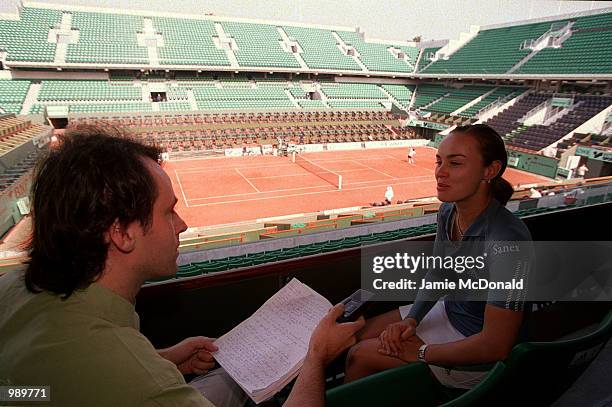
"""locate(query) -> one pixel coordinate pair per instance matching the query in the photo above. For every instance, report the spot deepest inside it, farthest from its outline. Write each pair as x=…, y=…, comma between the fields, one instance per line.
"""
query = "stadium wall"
x=158, y=305
x=534, y=163
x=9, y=210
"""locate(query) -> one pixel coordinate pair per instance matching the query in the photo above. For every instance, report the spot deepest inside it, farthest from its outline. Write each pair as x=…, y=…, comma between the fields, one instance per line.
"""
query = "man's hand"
x=408, y=349
x=393, y=335
x=191, y=355
x=330, y=338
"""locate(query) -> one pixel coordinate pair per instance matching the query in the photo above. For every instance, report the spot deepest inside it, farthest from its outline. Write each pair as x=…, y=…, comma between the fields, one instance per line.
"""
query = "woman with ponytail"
x=449, y=328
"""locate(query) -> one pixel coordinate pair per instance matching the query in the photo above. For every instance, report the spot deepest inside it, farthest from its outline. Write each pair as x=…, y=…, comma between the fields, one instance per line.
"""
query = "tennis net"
x=329, y=176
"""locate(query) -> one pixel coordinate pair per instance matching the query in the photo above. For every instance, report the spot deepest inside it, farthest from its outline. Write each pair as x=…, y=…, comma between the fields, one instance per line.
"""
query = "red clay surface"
x=234, y=189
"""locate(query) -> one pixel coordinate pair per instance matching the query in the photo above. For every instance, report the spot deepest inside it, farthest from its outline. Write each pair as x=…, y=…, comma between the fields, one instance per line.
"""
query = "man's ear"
x=492, y=170
x=122, y=237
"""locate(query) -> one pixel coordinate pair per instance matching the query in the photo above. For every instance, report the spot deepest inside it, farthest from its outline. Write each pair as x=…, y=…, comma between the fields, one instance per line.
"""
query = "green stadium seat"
x=409, y=385
x=535, y=373
x=544, y=370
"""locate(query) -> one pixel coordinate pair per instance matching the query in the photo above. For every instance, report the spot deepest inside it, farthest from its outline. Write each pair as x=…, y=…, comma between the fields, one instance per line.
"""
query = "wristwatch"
x=421, y=353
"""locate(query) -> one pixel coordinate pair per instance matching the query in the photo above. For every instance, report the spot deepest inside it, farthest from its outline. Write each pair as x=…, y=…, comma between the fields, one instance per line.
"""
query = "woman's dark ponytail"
x=502, y=190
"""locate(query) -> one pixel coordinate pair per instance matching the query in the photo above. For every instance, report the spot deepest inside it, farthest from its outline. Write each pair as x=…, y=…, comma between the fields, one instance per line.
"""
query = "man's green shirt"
x=88, y=348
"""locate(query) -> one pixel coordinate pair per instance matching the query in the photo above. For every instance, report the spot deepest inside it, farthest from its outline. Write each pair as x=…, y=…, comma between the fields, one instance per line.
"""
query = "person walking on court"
x=411, y=155
x=389, y=195
x=582, y=170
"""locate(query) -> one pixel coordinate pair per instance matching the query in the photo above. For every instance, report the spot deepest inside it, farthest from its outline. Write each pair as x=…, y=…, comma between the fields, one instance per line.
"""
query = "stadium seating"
x=201, y=131
x=218, y=92
x=354, y=104
x=107, y=38
x=401, y=93
x=12, y=95
x=587, y=50
x=113, y=38
x=376, y=56
x=259, y=45
x=427, y=93
x=457, y=98
x=491, y=51
x=507, y=120
x=502, y=93
x=320, y=50
x=87, y=91
x=352, y=91
x=174, y=106
x=427, y=55
x=27, y=39
x=16, y=131
x=333, y=245
x=188, y=42
x=311, y=104
x=11, y=175
x=553, y=366
x=539, y=136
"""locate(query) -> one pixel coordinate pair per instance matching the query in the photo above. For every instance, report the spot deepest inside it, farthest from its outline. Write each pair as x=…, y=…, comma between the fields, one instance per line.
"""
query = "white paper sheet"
x=268, y=348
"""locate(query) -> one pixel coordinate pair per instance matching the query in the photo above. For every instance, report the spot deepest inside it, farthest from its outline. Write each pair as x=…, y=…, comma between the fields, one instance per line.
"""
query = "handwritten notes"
x=265, y=352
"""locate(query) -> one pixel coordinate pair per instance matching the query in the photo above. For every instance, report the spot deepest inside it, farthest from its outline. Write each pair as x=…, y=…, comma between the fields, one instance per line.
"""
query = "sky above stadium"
x=381, y=19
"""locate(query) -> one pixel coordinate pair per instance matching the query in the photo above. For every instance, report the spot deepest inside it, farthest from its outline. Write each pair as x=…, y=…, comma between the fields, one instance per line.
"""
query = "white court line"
x=392, y=179
x=247, y=180
x=411, y=165
x=374, y=169
x=264, y=192
x=181, y=187
x=302, y=194
x=345, y=159
x=230, y=167
x=309, y=173
x=312, y=187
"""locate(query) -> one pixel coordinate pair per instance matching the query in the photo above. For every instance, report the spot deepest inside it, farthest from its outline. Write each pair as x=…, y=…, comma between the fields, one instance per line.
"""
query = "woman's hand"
x=394, y=334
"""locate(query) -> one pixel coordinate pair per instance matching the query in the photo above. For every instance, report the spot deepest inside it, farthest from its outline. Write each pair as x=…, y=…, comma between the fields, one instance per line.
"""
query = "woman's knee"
x=375, y=325
x=360, y=353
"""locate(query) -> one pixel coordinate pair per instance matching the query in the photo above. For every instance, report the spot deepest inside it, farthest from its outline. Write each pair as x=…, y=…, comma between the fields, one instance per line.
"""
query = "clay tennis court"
x=236, y=189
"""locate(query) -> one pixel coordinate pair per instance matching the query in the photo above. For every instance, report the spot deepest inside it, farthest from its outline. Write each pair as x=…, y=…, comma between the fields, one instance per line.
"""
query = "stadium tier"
x=259, y=45
x=427, y=56
x=200, y=132
x=586, y=50
x=27, y=39
x=537, y=137
x=12, y=95
x=64, y=36
x=426, y=94
x=106, y=39
x=189, y=42
x=577, y=44
x=573, y=45
x=498, y=95
x=128, y=92
x=378, y=57
x=456, y=98
x=402, y=94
